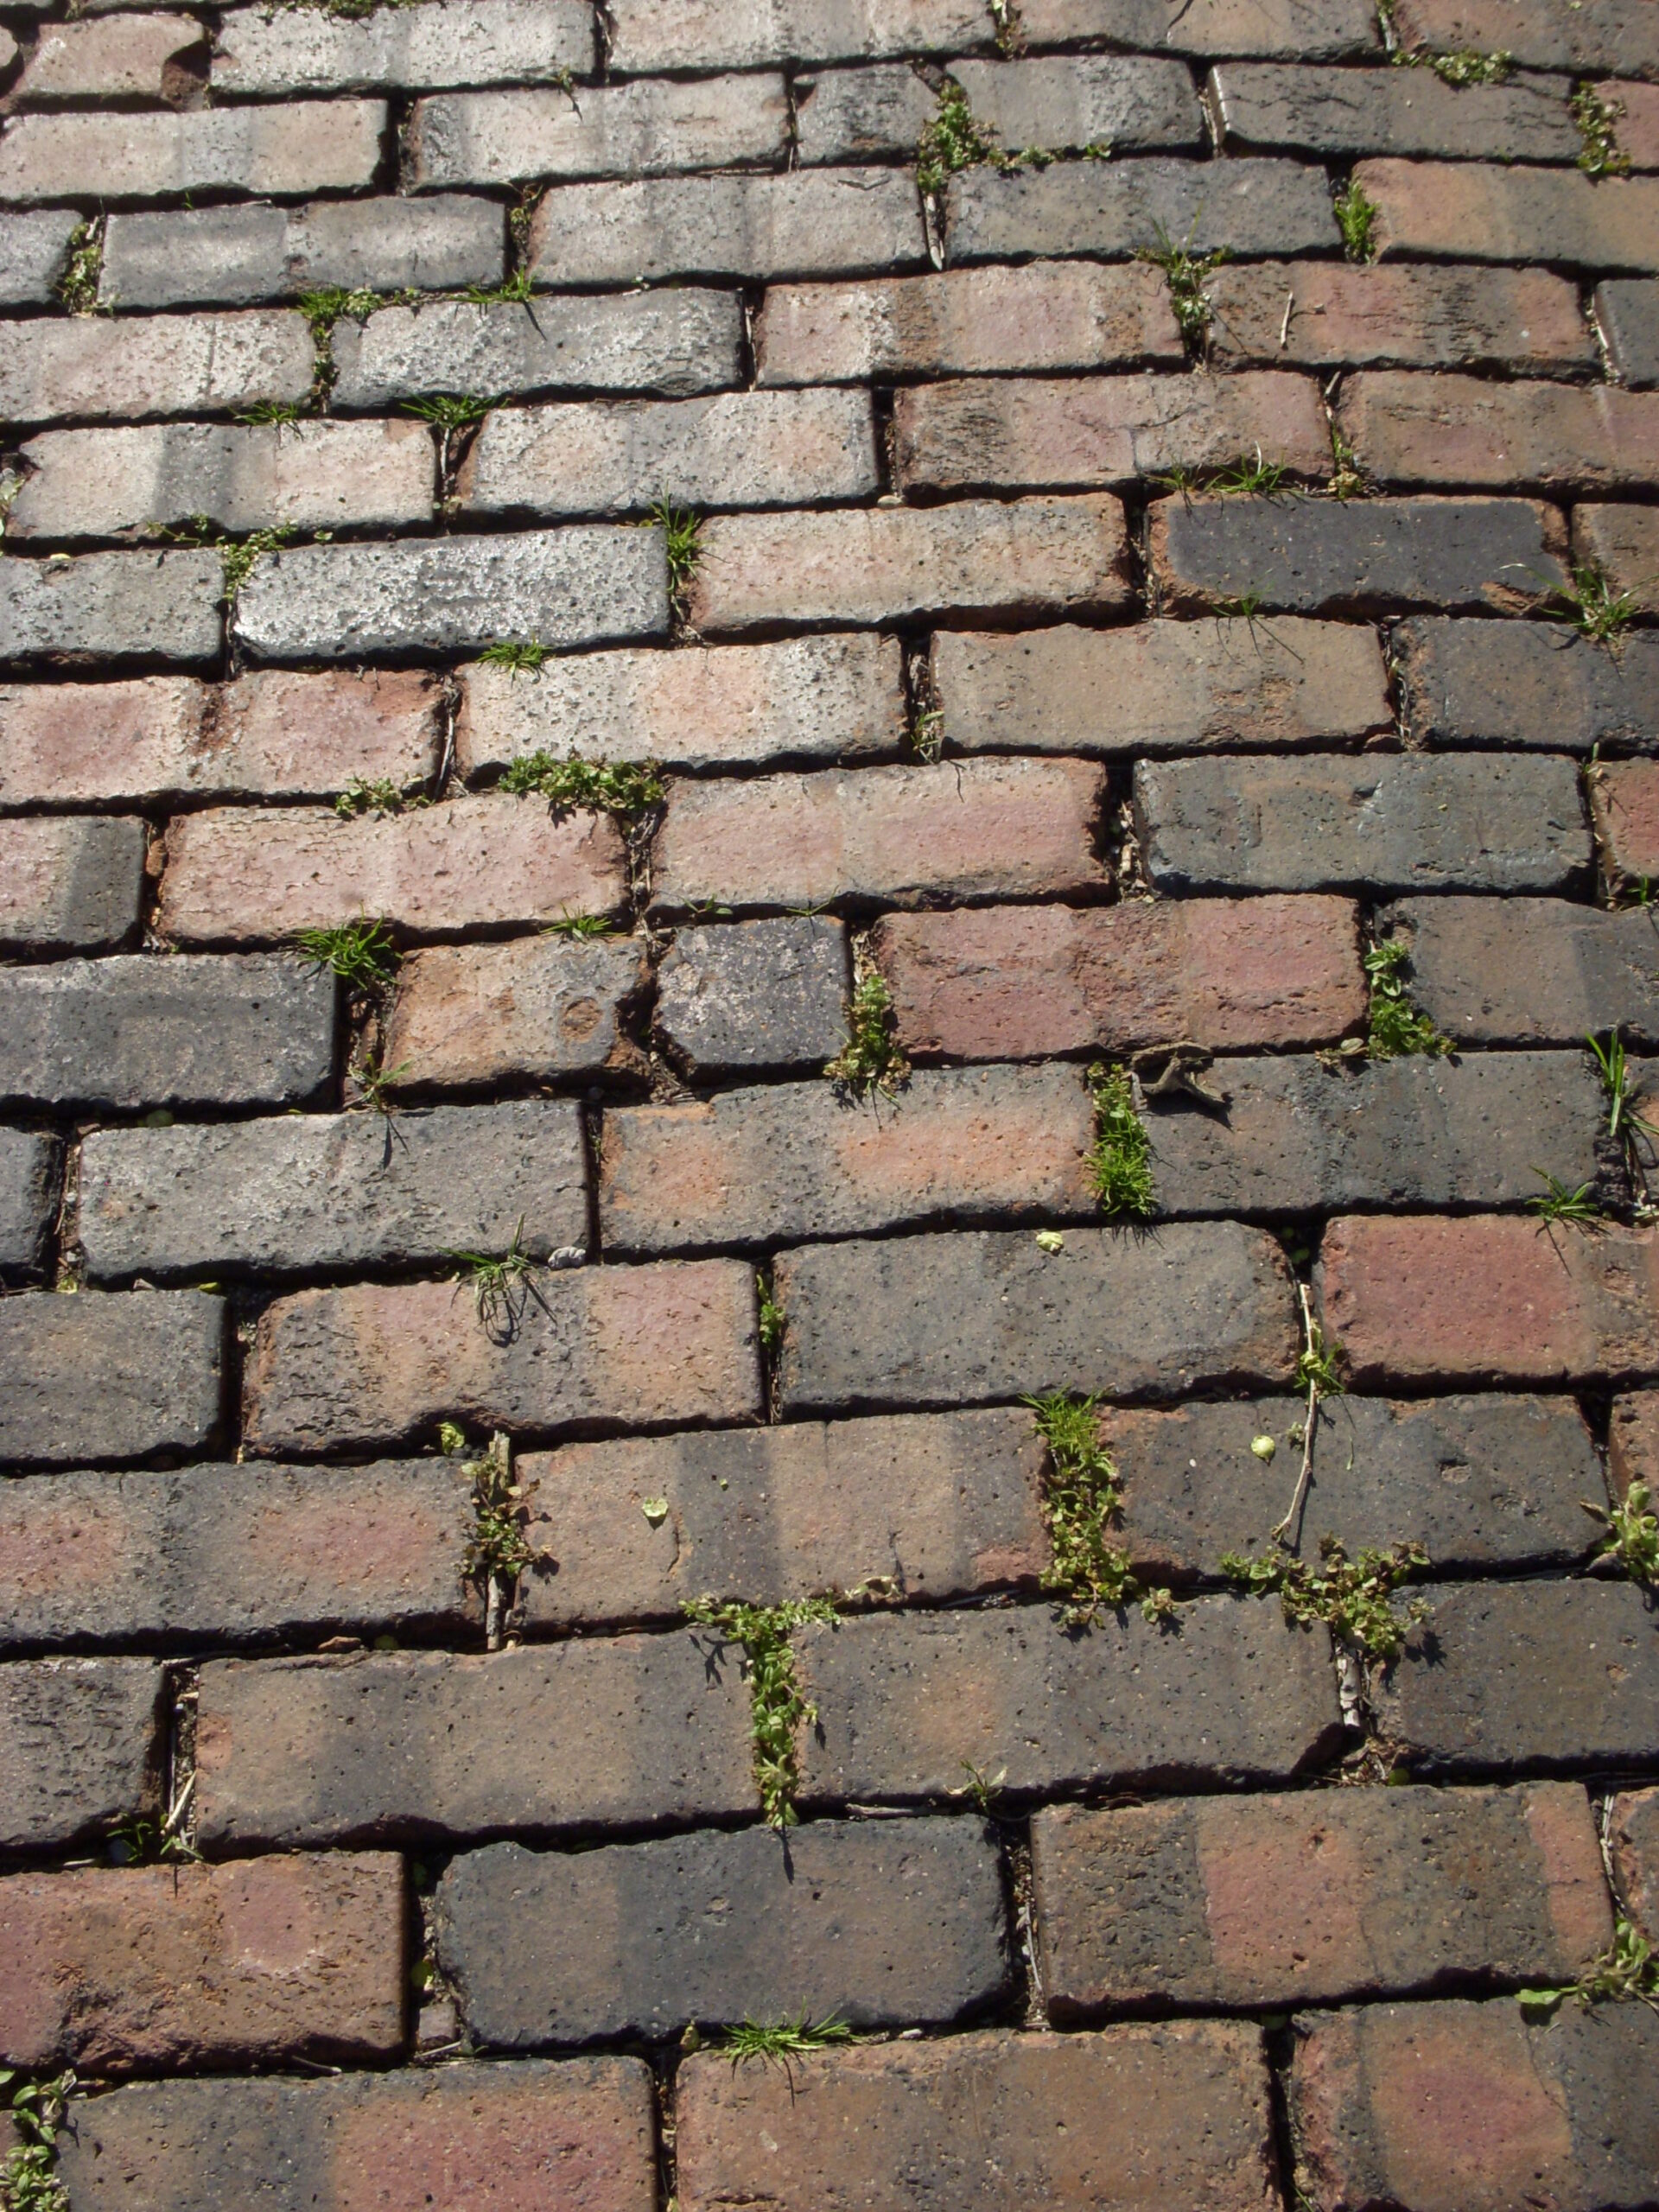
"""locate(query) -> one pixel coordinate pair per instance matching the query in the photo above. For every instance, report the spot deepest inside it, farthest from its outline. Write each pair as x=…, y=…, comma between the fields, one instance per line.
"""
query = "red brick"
x=1489, y=1297
x=1026, y=982
x=1480, y=213
x=1624, y=806
x=1633, y=1442
x=1635, y=1837
x=1417, y=315
x=1636, y=124
x=468, y=1016
x=1624, y=542
x=161, y=1967
x=979, y=830
x=1411, y=430
x=72, y=368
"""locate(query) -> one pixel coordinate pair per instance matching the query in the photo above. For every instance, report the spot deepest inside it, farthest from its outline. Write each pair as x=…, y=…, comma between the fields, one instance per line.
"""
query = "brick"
x=302, y=476
x=833, y=698
x=864, y=1921
x=1530, y=970
x=947, y=1505
x=879, y=564
x=71, y=884
x=962, y=1320
x=172, y=365
x=236, y=1554
x=1357, y=556
x=332, y=1190
x=134, y=1033
x=1633, y=1442
x=979, y=829
x=1522, y=684
x=955, y=1145
x=115, y=57
x=511, y=2137
x=1023, y=982
x=1116, y=210
x=1310, y=1898
x=651, y=34
x=588, y=1733
x=29, y=1201
x=1635, y=1835
x=768, y=995
x=808, y=222
x=670, y=343
x=1623, y=542
x=432, y=595
x=1412, y=430
x=78, y=1748
x=415, y=49
x=1111, y=431
x=1626, y=309
x=117, y=1969
x=92, y=1377
x=1288, y=30
x=1457, y=2104
x=1624, y=806
x=469, y=1016
x=234, y=255
x=612, y=130
x=1328, y=821
x=111, y=606
x=1348, y=111
x=1064, y=102
x=1637, y=119
x=374, y=1362
x=906, y=1698
x=1601, y=34
x=1413, y=314
x=1478, y=213
x=315, y=146
x=861, y=115
x=33, y=251
x=737, y=449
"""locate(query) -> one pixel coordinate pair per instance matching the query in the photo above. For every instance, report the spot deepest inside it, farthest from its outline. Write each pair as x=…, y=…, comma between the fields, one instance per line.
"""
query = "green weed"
x=516, y=287
x=360, y=953
x=29, y=2181
x=323, y=309
x=1080, y=1501
x=78, y=286
x=1557, y=1203
x=1590, y=605
x=237, y=556
x=984, y=1789
x=1258, y=478
x=871, y=1059
x=1595, y=118
x=1185, y=272
x=1347, y=478
x=579, y=925
x=927, y=739
x=449, y=410
x=1465, y=65
x=680, y=529
x=951, y=142
x=778, y=1712
x=379, y=795
x=1632, y=1536
x=375, y=1083
x=1627, y=1968
x=626, y=788
x=137, y=1841
x=272, y=411
x=1356, y=220
x=1352, y=1597
x=779, y=2041
x=498, y=1284
x=1010, y=33
x=522, y=655
x=1119, y=1160
x=1617, y=1086
x=1397, y=1026
x=497, y=1546
x=772, y=1319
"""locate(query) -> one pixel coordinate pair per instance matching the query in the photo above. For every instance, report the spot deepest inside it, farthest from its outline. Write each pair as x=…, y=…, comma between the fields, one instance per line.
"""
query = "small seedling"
x=323, y=309
x=983, y=1788
x=381, y=796
x=1347, y=478
x=778, y=1712
x=516, y=287
x=360, y=953
x=871, y=1059
x=375, y=1083
x=1260, y=479
x=523, y=656
x=499, y=1285
x=1614, y=1068
x=1595, y=118
x=1319, y=1372
x=1356, y=220
x=951, y=142
x=28, y=2180
x=1397, y=1026
x=238, y=555
x=78, y=286
x=1185, y=272
x=1466, y=66
x=498, y=1551
x=1632, y=1545
x=579, y=925
x=779, y=2041
x=1590, y=605
x=1558, y=1203
x=626, y=789
x=450, y=411
x=773, y=1321
x=1628, y=1967
x=272, y=411
x=927, y=738
x=1352, y=1597
x=137, y=1841
x=1080, y=1501
x=1119, y=1160
x=680, y=528
x=1010, y=33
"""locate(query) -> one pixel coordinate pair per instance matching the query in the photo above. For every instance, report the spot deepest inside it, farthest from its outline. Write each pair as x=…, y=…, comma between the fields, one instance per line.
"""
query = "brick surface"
x=1479, y=213
x=859, y=115
x=1063, y=103
x=1290, y=30
x=1602, y=34
x=117, y=1969
x=415, y=49
x=33, y=250
x=1637, y=121
x=1304, y=1900
x=1625, y=807
x=29, y=1201
x=571, y=1735
x=1636, y=1854
x=867, y=1922
x=643, y=130
x=1412, y=430
x=1409, y=313
x=1627, y=314
x=92, y=1377
x=1529, y=970
x=322, y=146
x=1336, y=112
x=1623, y=542
x=469, y=1016
x=1521, y=683
x=1251, y=208
x=115, y=57
x=1633, y=1441
x=767, y=994
x=71, y=885
x=1026, y=982
x=625, y=1346
x=651, y=34
x=113, y=606
x=78, y=1748
x=153, y=366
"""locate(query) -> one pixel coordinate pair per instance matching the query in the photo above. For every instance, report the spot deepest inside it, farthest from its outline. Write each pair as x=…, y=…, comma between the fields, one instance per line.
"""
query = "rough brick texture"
x=71, y=886
x=1623, y=544
x=1118, y=209
x=1410, y=430
x=1520, y=684
x=1435, y=208
x=95, y=1377
x=1409, y=314
x=207, y=364
x=1528, y=971
x=319, y=146
x=469, y=1015
x=30, y=1163
x=1636, y=1855
x=767, y=995
x=80, y=1748
x=646, y=129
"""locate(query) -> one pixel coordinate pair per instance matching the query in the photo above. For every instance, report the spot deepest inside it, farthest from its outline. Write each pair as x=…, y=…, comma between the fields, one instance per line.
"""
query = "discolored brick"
x=1636, y=119
x=94, y=1377
x=112, y=607
x=1117, y=209
x=1409, y=313
x=316, y=146
x=33, y=252
x=859, y=115
x=1525, y=683
x=1430, y=430
x=415, y=49
x=1348, y=111
x=80, y=1748
x=1633, y=1442
x=141, y=57
x=1625, y=807
x=647, y=128
x=1477, y=212
x=1066, y=103
x=1622, y=542
x=466, y=1017
x=29, y=1164
x=87, y=366
x=1530, y=971
x=73, y=885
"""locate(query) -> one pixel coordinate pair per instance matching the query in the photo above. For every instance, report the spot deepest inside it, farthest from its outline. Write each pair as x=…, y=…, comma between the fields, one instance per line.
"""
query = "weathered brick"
x=115, y=57
x=905, y=1700
x=1598, y=35
x=1623, y=542
x=1062, y=104
x=1525, y=683
x=135, y=1031
x=866, y=1921
x=1288, y=30
x=71, y=883
x=876, y=564
x=306, y=146
x=944, y=1504
x=633, y=1346
x=1636, y=119
x=235, y=1555
x=1479, y=213
x=807, y=222
x=1356, y=556
x=586, y=1733
x=743, y=706
x=1633, y=1442
x=737, y=449
x=34, y=250
x=172, y=365
x=237, y=254
x=1624, y=806
x=1400, y=822
x=111, y=606
x=238, y=872
x=78, y=1748
x=1117, y=209
x=412, y=48
x=1412, y=430
x=1530, y=971
x=514, y=2138
x=1635, y=1837
x=1432, y=2106
x=1065, y=314
x=431, y=596
x=861, y=115
x=1413, y=314
x=651, y=34
x=92, y=1377
x=1347, y=111
x=952, y=1146
x=962, y=1320
x=334, y=1191
x=1627, y=314
x=466, y=1015
x=973, y=830
x=1020, y=983
x=29, y=1201
x=1306, y=1898
x=976, y=436
x=641, y=130
x=755, y=995
x=117, y=1969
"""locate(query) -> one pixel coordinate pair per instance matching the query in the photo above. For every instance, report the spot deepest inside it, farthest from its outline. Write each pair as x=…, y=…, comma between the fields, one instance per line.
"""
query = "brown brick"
x=71, y=885
x=617, y=1346
x=469, y=1016
x=101, y=1376
x=1411, y=430
x=1635, y=1835
x=274, y=1960
x=1480, y=213
x=1624, y=542
x=303, y=146
x=1598, y=35
x=981, y=830
x=1026, y=982
x=115, y=57
x=1325, y=1894
x=1287, y=30
x=243, y=876
x=80, y=365
x=1417, y=315
x=1624, y=806
x=80, y=1748
x=1525, y=971
x=654, y=34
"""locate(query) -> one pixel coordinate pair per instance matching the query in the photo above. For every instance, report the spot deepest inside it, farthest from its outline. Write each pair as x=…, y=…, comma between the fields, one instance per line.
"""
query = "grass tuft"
x=680, y=528
x=499, y=1285
x=1590, y=605
x=1255, y=477
x=1397, y=1026
x=778, y=2041
x=497, y=1547
x=1352, y=1597
x=360, y=953
x=1613, y=1066
x=1080, y=1501
x=778, y=1712
x=1185, y=272
x=278, y=411
x=1119, y=1161
x=1356, y=220
x=449, y=410
x=871, y=1059
x=952, y=142
x=772, y=1319
x=1558, y=1203
x=523, y=656
x=379, y=795
x=626, y=789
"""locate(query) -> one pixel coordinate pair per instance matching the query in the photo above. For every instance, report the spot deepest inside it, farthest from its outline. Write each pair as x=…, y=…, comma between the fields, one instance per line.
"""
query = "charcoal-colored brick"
x=94, y=1377
x=1622, y=541
x=111, y=606
x=414, y=50
x=1627, y=314
x=1479, y=213
x=1409, y=430
x=71, y=885
x=30, y=1162
x=33, y=253
x=1347, y=111
x=1525, y=683
x=1596, y=38
x=1530, y=971
x=1118, y=209
x=1063, y=103
x=306, y=146
x=1635, y=1838
x=160, y=365
x=859, y=115
x=80, y=1748
x=468, y=1016
x=1409, y=314
x=1288, y=30
x=647, y=128
x=767, y=994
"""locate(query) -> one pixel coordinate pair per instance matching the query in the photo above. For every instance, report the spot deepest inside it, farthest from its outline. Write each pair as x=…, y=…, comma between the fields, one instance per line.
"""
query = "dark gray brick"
x=78, y=1748
x=1530, y=971
x=94, y=1377
x=1061, y=103
x=1627, y=311
x=869, y=1922
x=1347, y=111
x=1113, y=209
x=1526, y=684
x=1291, y=30
x=29, y=1200
x=33, y=253
x=859, y=115
x=111, y=606
x=758, y=995
x=71, y=883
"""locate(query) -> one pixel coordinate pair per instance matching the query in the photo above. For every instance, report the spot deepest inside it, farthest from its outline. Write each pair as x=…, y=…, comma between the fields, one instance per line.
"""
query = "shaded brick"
x=641, y=130
x=1290, y=30
x=412, y=48
x=577, y=1735
x=29, y=1201
x=1623, y=542
x=1063, y=103
x=633, y=1346
x=1599, y=34
x=315, y=146
x=71, y=884
x=115, y=57
x=767, y=995
x=172, y=365
x=1444, y=430
x=1478, y=213
x=861, y=115
x=1633, y=1442
x=90, y=1377
x=1635, y=1835
x=651, y=34
x=1624, y=806
x=1522, y=684
x=276, y=1958
x=1414, y=313
x=33, y=252
x=863, y=1920
x=1310, y=1898
x=1338, y=111
x=1626, y=309
x=944, y=1319
x=112, y=607
x=78, y=1748
x=468, y=1016
x=1118, y=209
x=945, y=1504
x=881, y=563
x=978, y=829
x=1530, y=971
x=1022, y=982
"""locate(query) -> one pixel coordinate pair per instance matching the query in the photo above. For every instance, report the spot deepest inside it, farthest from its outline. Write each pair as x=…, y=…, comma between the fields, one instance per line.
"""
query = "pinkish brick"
x=1625, y=805
x=115, y=57
x=302, y=146
x=466, y=1015
x=1424, y=430
x=1636, y=119
x=1633, y=1442
x=1483, y=212
x=1415, y=314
